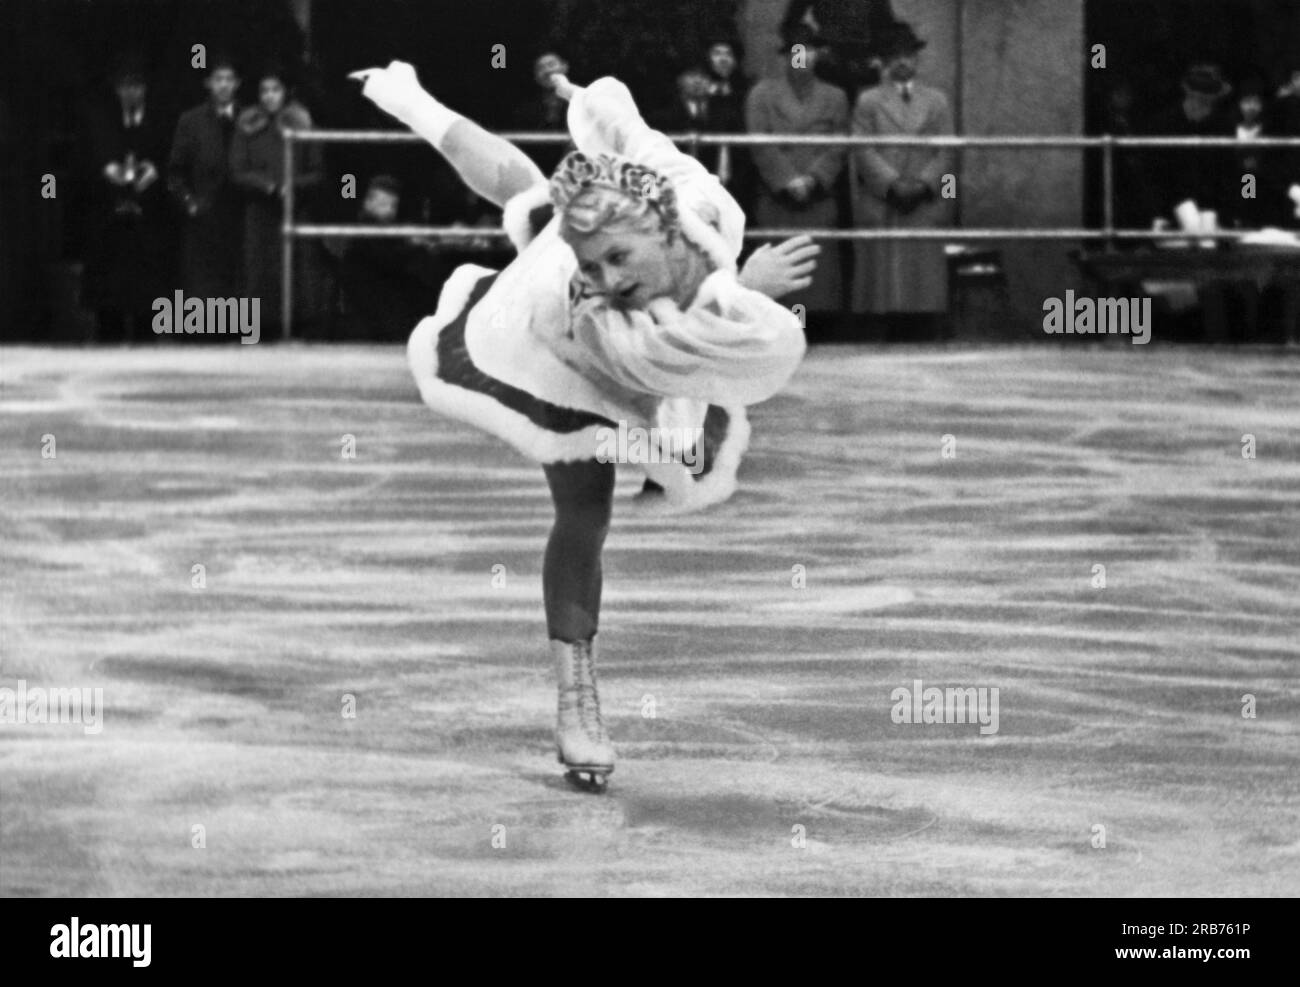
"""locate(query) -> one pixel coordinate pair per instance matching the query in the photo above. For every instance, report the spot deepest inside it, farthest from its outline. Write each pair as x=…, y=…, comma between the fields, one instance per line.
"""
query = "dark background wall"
x=56, y=59
x=1012, y=67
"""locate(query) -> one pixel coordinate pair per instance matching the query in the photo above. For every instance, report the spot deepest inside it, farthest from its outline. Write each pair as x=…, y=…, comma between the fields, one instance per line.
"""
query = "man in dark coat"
x=695, y=109
x=198, y=177
x=545, y=110
x=901, y=188
x=1250, y=120
x=1197, y=174
x=728, y=91
x=727, y=84
x=797, y=182
x=128, y=243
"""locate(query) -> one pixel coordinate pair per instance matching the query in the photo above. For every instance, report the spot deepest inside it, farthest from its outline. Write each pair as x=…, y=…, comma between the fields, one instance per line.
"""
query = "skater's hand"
x=394, y=89
x=148, y=175
x=115, y=174
x=781, y=269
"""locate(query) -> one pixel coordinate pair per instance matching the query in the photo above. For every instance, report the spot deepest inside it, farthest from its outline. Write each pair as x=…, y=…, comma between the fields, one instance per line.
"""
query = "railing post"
x=286, y=242
x=1108, y=190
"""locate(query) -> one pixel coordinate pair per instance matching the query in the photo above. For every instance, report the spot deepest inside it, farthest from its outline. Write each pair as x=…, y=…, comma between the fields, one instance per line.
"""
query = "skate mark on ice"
x=698, y=740
x=842, y=806
x=844, y=599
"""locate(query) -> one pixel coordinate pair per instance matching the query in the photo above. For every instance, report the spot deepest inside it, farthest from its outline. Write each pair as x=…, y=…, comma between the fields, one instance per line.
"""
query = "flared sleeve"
x=731, y=346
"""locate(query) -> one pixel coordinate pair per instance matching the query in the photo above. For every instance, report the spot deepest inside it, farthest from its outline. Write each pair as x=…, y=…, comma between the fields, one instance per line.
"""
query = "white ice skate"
x=581, y=743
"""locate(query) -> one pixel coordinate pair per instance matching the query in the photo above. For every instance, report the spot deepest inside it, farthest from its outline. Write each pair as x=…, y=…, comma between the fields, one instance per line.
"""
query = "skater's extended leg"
x=583, y=493
x=490, y=165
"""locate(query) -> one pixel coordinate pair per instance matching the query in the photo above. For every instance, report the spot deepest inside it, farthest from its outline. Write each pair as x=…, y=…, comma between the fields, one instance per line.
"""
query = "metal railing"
x=694, y=141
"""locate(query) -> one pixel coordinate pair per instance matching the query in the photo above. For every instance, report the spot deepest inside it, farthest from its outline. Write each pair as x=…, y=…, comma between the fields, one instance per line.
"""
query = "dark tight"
x=583, y=494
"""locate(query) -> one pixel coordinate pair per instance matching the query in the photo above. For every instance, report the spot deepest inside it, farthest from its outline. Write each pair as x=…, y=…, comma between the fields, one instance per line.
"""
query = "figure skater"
x=623, y=308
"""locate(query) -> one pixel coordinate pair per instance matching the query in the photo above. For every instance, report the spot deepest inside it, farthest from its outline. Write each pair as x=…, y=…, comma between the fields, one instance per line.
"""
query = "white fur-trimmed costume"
x=521, y=355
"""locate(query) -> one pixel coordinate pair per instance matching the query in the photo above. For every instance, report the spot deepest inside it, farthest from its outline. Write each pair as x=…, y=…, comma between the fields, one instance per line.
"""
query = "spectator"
x=388, y=283
x=1286, y=123
x=852, y=29
x=727, y=85
x=796, y=184
x=126, y=262
x=1269, y=206
x=693, y=110
x=257, y=169
x=198, y=179
x=1199, y=175
x=545, y=111
x=1286, y=109
x=728, y=89
x=900, y=188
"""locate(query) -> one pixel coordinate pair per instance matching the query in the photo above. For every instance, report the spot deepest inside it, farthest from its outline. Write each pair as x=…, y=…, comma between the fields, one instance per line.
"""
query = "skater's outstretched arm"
x=491, y=166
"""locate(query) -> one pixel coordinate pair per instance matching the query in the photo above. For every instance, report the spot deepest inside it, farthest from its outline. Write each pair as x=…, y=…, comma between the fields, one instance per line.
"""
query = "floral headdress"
x=579, y=173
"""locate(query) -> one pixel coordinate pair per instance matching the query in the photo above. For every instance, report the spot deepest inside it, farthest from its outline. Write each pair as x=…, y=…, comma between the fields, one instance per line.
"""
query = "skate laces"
x=588, y=698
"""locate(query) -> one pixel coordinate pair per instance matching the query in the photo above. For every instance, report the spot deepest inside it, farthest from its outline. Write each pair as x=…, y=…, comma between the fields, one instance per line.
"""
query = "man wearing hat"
x=128, y=242
x=901, y=188
x=796, y=184
x=1201, y=175
x=851, y=29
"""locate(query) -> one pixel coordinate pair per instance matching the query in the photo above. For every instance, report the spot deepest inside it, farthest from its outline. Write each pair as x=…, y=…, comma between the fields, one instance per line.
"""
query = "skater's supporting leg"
x=583, y=493
x=571, y=581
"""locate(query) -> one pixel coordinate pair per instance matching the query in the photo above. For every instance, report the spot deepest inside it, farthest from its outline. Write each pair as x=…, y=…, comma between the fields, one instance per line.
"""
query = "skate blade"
x=598, y=768
x=588, y=780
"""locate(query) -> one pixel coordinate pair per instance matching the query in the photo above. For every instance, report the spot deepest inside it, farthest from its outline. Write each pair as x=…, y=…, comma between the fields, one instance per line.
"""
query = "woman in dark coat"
x=257, y=169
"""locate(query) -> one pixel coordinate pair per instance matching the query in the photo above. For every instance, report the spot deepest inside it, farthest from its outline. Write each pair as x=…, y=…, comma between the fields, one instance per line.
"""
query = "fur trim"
x=475, y=408
x=696, y=228
x=683, y=493
x=292, y=115
x=516, y=216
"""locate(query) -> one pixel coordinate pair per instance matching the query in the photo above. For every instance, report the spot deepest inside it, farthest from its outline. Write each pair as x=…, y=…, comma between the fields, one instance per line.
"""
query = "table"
x=1213, y=270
